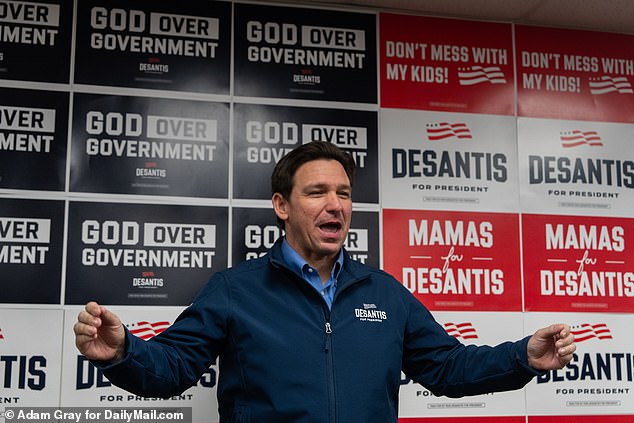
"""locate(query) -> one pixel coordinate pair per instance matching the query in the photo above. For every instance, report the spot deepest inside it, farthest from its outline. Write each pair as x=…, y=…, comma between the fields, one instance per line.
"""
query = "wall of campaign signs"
x=496, y=176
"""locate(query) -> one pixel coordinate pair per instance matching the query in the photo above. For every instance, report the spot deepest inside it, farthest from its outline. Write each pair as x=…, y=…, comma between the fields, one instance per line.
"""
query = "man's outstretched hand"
x=551, y=348
x=99, y=334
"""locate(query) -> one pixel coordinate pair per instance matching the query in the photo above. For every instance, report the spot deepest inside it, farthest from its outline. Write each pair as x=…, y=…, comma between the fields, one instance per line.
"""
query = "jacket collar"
x=351, y=272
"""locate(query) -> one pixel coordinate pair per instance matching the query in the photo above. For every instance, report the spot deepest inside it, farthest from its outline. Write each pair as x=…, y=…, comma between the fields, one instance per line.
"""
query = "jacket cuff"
x=522, y=358
x=109, y=364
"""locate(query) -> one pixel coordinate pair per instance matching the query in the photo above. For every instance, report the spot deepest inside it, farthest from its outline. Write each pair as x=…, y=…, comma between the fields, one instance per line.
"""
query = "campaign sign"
x=255, y=230
x=35, y=40
x=30, y=358
x=84, y=385
x=576, y=167
x=578, y=263
x=304, y=53
x=470, y=329
x=150, y=146
x=580, y=75
x=442, y=161
x=446, y=65
x=455, y=260
x=31, y=243
x=604, y=418
x=181, y=46
x=142, y=254
x=362, y=242
x=598, y=380
x=33, y=138
x=263, y=134
x=474, y=419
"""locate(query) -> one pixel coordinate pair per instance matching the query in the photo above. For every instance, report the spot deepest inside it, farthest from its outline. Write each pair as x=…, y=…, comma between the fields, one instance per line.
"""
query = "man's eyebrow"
x=321, y=185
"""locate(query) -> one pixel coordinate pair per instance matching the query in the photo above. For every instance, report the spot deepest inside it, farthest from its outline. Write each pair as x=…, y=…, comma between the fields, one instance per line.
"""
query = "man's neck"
x=322, y=263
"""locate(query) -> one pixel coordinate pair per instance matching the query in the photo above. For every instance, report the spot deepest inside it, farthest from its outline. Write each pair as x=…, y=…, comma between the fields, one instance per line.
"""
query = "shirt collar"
x=297, y=262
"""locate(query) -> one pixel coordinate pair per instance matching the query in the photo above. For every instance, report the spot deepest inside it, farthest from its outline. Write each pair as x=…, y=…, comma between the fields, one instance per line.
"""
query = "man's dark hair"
x=284, y=172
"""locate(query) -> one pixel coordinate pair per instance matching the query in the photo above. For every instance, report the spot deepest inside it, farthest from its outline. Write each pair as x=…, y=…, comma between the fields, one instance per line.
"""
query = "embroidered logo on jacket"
x=370, y=313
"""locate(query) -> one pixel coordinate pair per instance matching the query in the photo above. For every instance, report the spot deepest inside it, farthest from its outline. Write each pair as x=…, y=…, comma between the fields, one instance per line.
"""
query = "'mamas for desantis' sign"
x=455, y=260
x=446, y=65
x=578, y=263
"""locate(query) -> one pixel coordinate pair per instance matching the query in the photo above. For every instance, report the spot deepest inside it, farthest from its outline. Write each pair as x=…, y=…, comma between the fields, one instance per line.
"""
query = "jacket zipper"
x=330, y=371
x=328, y=348
x=329, y=355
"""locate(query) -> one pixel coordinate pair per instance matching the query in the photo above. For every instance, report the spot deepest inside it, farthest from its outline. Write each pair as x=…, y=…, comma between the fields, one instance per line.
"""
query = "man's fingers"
x=565, y=330
x=567, y=348
x=88, y=319
x=82, y=329
x=109, y=318
x=93, y=308
x=559, y=330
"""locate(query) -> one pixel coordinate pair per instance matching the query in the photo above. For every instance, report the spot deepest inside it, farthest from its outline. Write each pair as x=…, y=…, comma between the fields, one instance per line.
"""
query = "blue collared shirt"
x=311, y=275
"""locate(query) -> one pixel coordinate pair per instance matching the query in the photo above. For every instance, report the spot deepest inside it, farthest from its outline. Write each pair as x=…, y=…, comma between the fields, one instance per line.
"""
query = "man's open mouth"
x=331, y=227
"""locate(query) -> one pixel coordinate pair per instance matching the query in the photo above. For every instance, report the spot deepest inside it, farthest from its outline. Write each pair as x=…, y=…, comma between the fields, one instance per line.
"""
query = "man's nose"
x=334, y=202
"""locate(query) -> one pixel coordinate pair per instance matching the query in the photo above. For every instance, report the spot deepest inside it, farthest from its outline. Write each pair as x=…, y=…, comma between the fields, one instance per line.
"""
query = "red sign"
x=603, y=418
x=455, y=260
x=488, y=419
x=578, y=263
x=446, y=65
x=577, y=75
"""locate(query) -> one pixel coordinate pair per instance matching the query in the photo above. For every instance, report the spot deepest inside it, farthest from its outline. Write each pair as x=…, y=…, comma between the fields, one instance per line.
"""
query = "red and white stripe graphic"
x=609, y=84
x=463, y=330
x=147, y=330
x=1, y=335
x=586, y=331
x=445, y=130
x=576, y=138
x=480, y=75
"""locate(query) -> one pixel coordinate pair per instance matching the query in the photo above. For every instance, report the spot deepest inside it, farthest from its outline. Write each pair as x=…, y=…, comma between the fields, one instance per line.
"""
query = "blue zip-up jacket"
x=284, y=357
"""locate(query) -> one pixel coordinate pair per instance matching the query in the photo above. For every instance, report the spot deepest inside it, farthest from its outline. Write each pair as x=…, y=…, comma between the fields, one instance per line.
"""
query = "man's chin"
x=331, y=246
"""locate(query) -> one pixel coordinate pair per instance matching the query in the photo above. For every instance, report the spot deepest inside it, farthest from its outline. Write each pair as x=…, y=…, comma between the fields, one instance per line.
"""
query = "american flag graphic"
x=1, y=335
x=147, y=330
x=586, y=331
x=479, y=75
x=609, y=84
x=576, y=138
x=444, y=130
x=463, y=330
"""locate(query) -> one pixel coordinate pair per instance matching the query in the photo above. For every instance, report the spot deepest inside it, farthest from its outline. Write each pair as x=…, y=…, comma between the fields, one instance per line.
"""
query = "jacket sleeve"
x=446, y=367
x=174, y=360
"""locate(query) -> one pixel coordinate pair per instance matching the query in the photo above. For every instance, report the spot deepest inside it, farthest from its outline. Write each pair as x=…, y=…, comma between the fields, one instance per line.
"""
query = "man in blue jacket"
x=305, y=334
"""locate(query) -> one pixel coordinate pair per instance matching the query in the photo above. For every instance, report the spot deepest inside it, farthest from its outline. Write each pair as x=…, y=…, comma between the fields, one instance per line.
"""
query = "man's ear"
x=280, y=206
